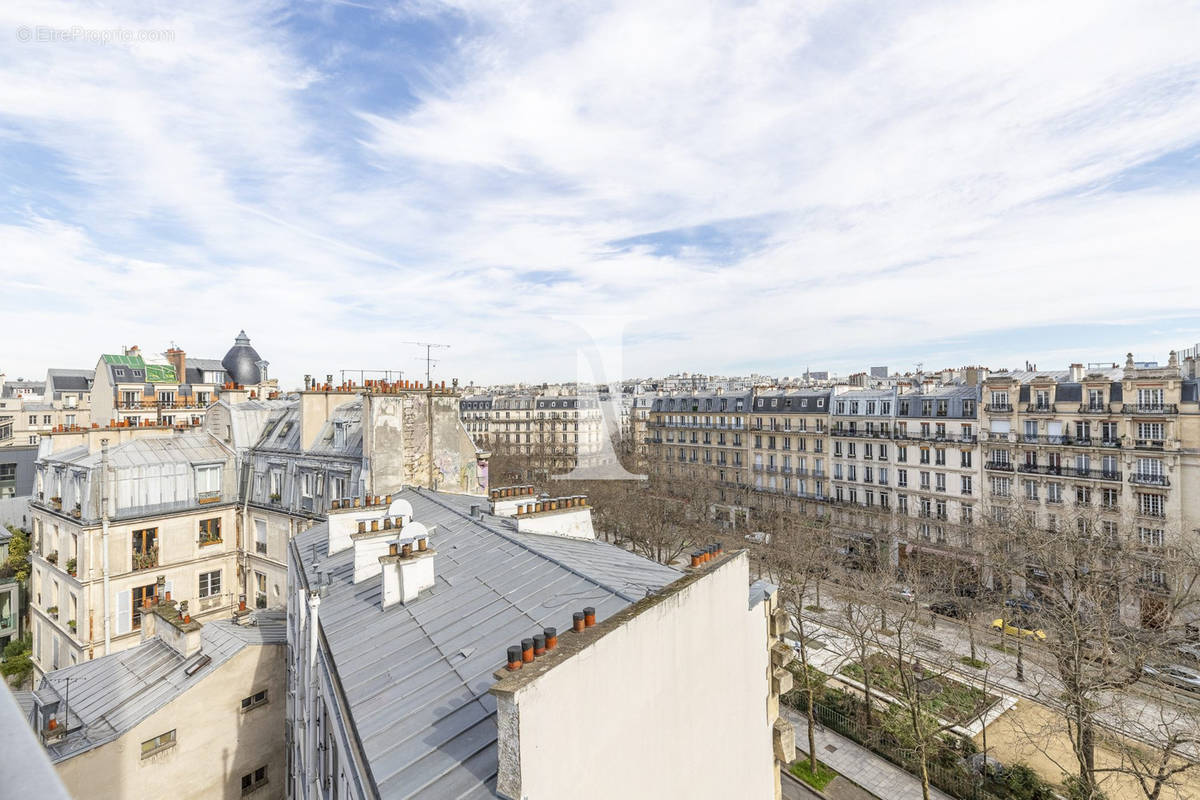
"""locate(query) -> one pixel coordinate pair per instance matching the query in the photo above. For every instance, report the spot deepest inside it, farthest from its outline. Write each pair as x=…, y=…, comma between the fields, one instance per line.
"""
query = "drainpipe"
x=310, y=732
x=104, y=541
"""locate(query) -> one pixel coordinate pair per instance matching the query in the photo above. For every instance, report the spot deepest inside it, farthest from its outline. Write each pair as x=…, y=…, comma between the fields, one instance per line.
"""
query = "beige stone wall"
x=396, y=444
x=216, y=743
x=182, y=559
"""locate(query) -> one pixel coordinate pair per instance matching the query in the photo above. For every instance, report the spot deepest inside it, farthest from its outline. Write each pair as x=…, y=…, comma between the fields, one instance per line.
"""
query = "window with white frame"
x=210, y=584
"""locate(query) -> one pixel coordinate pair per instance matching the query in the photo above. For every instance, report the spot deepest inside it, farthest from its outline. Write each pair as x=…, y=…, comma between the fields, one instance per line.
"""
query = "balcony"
x=1150, y=410
x=204, y=498
x=1148, y=479
x=1040, y=408
x=1070, y=472
x=1149, y=444
x=949, y=438
x=998, y=408
x=146, y=560
x=867, y=433
x=1094, y=409
x=1002, y=466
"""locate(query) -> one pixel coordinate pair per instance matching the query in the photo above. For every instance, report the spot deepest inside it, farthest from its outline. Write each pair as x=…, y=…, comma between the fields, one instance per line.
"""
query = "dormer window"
x=339, y=434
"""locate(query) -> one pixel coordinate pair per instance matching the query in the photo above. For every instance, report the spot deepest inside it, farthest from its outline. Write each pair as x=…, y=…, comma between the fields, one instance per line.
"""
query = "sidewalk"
x=877, y=775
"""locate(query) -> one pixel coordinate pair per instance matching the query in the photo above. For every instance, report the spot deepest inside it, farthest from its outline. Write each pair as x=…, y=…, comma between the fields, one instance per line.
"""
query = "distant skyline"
x=752, y=186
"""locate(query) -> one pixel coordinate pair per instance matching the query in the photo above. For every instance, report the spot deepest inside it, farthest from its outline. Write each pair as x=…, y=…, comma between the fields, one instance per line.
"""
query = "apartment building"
x=172, y=390
x=112, y=526
x=439, y=650
x=789, y=446
x=937, y=478
x=704, y=438
x=560, y=430
x=191, y=711
x=30, y=409
x=1106, y=451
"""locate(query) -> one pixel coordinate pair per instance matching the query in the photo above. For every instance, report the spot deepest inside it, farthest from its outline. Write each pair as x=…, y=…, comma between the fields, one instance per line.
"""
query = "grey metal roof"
x=793, y=402
x=12, y=388
x=416, y=676
x=112, y=694
x=69, y=380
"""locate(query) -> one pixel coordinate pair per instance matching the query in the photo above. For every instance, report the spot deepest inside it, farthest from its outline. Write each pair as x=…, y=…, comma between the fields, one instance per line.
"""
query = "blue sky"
x=733, y=186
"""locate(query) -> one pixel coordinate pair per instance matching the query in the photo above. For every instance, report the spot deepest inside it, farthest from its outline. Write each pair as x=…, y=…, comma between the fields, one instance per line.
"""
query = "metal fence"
x=954, y=782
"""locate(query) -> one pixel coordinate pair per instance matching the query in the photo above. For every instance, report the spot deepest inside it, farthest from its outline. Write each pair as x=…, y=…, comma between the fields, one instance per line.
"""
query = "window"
x=964, y=458
x=1031, y=490
x=1002, y=487
x=210, y=530
x=260, y=590
x=208, y=483
x=210, y=584
x=902, y=503
x=966, y=483
x=883, y=452
x=140, y=594
x=1150, y=537
x=1108, y=498
x=145, y=548
x=1150, y=505
x=1054, y=493
x=901, y=452
x=252, y=781
x=940, y=457
x=924, y=455
x=968, y=408
x=902, y=477
x=1083, y=495
x=1150, y=398
x=255, y=700
x=164, y=741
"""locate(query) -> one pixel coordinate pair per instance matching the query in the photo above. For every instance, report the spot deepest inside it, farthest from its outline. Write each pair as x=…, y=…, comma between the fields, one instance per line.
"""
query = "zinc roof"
x=416, y=676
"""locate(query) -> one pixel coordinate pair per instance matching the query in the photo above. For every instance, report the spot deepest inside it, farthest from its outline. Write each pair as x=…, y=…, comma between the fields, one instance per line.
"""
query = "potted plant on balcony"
x=71, y=567
x=275, y=497
x=52, y=556
x=147, y=559
x=56, y=502
x=71, y=625
x=53, y=611
x=77, y=512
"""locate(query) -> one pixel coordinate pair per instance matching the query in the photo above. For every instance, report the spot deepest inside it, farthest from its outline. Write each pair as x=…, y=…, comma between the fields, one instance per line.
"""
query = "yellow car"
x=1012, y=630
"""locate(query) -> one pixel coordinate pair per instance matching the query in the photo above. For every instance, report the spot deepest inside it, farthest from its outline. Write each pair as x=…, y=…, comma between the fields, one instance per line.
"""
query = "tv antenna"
x=429, y=360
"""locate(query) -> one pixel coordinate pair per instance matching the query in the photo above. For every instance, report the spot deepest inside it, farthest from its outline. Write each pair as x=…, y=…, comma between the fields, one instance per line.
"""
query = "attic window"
x=287, y=426
x=120, y=373
x=339, y=434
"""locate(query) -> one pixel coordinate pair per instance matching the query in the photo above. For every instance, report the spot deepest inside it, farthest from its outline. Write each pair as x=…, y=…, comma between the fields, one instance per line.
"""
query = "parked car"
x=1011, y=628
x=902, y=593
x=1174, y=674
x=1023, y=606
x=948, y=608
x=758, y=537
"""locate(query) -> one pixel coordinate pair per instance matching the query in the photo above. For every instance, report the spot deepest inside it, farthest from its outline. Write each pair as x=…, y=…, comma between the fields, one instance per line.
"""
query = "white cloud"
x=941, y=175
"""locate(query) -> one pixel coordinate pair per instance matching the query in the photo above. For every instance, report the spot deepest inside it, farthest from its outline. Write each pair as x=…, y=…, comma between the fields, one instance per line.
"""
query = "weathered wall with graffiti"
x=397, y=444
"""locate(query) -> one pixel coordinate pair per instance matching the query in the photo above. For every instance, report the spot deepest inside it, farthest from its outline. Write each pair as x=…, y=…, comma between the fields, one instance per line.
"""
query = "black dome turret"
x=241, y=362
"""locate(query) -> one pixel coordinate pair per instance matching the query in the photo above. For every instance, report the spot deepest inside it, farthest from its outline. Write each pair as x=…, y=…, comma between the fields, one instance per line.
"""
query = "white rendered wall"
x=573, y=522
x=673, y=703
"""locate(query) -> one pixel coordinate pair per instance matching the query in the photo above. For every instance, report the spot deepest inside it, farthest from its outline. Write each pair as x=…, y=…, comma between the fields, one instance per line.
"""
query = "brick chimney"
x=178, y=359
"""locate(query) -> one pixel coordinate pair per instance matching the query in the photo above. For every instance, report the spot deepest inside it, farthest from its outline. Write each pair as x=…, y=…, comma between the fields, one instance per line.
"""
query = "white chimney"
x=345, y=516
x=1076, y=373
x=378, y=541
x=408, y=570
x=570, y=517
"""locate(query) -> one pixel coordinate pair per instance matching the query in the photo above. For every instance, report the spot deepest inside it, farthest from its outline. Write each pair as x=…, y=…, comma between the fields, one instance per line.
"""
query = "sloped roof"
x=192, y=447
x=112, y=694
x=69, y=380
x=416, y=676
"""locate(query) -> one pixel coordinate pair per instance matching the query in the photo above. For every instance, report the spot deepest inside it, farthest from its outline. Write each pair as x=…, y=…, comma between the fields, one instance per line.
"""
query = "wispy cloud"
x=749, y=183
